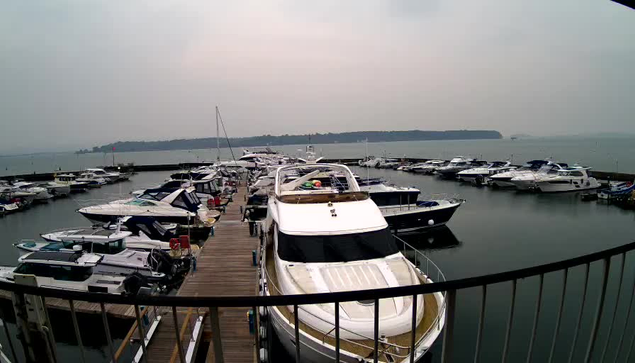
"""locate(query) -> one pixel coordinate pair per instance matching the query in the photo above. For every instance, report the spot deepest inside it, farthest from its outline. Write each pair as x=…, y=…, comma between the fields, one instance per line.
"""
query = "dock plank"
x=224, y=268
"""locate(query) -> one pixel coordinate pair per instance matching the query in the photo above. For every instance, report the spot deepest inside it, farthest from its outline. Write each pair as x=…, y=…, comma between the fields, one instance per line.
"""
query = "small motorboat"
x=91, y=179
x=456, y=165
x=616, y=191
x=568, y=180
x=69, y=271
x=57, y=190
x=529, y=181
x=481, y=174
x=41, y=195
x=71, y=181
x=428, y=167
x=504, y=179
x=109, y=177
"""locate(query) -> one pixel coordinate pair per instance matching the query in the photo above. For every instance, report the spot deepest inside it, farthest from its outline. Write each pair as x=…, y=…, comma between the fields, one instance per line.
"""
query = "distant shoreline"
x=270, y=140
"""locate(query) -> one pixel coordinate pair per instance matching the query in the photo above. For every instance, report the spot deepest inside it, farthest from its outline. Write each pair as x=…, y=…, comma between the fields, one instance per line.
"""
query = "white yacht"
x=156, y=265
x=480, y=173
x=567, y=180
x=13, y=199
x=71, y=181
x=64, y=271
x=40, y=194
x=503, y=180
x=403, y=210
x=137, y=233
x=369, y=162
x=527, y=181
x=206, y=189
x=169, y=205
x=91, y=179
x=166, y=205
x=456, y=165
x=428, y=167
x=57, y=190
x=325, y=238
x=109, y=177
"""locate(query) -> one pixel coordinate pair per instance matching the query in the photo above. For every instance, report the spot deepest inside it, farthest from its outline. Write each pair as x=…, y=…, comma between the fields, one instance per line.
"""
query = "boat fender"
x=264, y=355
x=431, y=222
x=262, y=311
x=263, y=332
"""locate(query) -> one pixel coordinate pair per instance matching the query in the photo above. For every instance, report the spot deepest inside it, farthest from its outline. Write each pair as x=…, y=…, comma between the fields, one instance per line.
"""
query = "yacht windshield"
x=336, y=248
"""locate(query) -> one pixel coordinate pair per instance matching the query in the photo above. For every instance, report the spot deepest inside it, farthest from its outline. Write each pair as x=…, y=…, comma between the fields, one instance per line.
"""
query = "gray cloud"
x=78, y=73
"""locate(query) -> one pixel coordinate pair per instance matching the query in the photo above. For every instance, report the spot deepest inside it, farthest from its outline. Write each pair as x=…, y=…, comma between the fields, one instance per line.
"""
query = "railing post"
x=376, y=332
x=481, y=323
x=577, y=325
x=617, y=301
x=179, y=345
x=296, y=323
x=448, y=334
x=337, y=332
x=413, y=329
x=510, y=321
x=536, y=317
x=628, y=316
x=141, y=333
x=598, y=311
x=216, y=337
x=104, y=319
x=559, y=318
x=78, y=334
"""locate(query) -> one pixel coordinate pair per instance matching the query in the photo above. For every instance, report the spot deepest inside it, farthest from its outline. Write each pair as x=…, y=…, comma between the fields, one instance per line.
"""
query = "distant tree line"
x=328, y=138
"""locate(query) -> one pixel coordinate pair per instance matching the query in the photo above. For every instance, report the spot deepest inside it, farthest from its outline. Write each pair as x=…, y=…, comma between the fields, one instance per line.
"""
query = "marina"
x=388, y=182
x=225, y=262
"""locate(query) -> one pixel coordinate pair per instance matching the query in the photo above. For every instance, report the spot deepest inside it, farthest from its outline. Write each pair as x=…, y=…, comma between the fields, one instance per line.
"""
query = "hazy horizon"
x=77, y=74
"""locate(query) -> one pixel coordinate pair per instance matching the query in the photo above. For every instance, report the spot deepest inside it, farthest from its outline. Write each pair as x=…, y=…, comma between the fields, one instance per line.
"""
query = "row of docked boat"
x=145, y=241
x=18, y=195
x=537, y=175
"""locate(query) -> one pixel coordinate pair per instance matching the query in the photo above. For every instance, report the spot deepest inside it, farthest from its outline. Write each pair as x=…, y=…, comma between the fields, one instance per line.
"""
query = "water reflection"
x=434, y=239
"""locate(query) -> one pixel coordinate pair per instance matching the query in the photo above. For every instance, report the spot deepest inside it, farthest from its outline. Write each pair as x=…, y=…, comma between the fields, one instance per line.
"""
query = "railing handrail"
x=319, y=298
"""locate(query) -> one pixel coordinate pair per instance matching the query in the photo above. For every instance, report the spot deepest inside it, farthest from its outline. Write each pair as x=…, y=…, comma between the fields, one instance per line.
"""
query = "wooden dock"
x=83, y=307
x=224, y=268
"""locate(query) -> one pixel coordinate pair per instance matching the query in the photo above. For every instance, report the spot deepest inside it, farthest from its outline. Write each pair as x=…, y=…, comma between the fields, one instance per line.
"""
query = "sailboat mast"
x=217, y=137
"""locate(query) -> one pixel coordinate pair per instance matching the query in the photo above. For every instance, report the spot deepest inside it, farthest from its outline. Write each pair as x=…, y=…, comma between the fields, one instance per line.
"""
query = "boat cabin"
x=64, y=266
x=184, y=198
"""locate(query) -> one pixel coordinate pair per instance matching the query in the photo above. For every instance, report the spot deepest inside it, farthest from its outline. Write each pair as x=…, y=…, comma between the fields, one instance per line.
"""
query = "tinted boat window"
x=337, y=248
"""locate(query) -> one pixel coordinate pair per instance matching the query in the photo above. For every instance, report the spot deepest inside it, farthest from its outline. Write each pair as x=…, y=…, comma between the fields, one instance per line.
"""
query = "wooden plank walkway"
x=224, y=268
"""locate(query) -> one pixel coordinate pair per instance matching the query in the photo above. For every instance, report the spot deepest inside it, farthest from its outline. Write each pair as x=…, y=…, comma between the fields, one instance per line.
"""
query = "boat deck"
x=224, y=268
x=360, y=347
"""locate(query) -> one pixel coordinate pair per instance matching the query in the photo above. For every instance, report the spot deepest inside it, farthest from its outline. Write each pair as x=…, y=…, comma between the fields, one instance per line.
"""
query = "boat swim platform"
x=224, y=267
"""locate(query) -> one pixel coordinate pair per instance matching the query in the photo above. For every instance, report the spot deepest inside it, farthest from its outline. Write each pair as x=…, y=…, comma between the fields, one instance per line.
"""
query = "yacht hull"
x=315, y=351
x=402, y=220
x=550, y=187
x=105, y=218
x=59, y=191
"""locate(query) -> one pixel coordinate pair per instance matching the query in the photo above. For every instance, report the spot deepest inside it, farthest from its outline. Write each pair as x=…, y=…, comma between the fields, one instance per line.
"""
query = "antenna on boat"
x=217, y=137
x=367, y=167
x=219, y=117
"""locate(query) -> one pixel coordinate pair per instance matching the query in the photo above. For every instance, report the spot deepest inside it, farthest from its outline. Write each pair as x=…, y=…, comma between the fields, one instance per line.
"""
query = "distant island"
x=317, y=138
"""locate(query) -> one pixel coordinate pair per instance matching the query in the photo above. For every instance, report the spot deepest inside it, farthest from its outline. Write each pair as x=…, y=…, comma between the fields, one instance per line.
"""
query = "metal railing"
x=213, y=303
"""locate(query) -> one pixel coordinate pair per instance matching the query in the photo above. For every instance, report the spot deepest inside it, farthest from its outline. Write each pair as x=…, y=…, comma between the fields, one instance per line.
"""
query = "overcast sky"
x=79, y=73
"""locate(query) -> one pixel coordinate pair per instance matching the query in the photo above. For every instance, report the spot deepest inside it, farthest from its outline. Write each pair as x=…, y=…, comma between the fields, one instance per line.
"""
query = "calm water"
x=494, y=231
x=605, y=154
